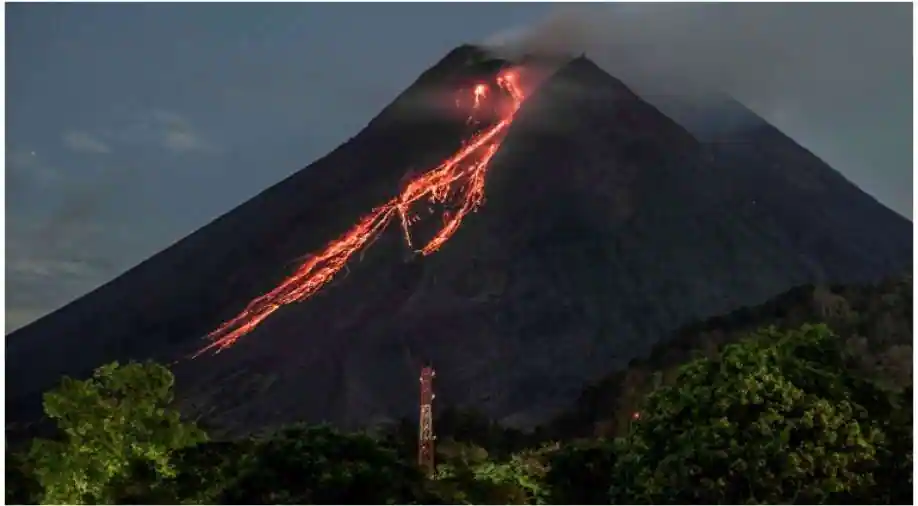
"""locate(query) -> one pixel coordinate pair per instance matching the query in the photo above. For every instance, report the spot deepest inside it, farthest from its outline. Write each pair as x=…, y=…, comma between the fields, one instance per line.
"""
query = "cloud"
x=44, y=272
x=54, y=200
x=184, y=141
x=168, y=118
x=44, y=280
x=165, y=129
x=21, y=316
x=36, y=267
x=55, y=248
x=27, y=168
x=175, y=133
x=84, y=142
x=60, y=241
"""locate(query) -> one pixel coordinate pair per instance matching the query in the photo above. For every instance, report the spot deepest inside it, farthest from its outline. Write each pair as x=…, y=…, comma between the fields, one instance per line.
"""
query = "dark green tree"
x=466, y=474
x=778, y=418
x=108, y=423
x=319, y=465
x=21, y=485
x=202, y=473
x=581, y=472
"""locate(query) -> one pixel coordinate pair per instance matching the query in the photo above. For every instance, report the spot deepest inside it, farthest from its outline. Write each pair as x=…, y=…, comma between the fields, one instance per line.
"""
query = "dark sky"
x=131, y=125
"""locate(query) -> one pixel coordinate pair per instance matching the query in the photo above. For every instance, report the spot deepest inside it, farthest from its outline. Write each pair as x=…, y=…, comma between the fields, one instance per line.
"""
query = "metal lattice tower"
x=426, y=435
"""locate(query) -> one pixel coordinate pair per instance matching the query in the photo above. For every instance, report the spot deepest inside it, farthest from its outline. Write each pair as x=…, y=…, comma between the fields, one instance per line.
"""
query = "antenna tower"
x=426, y=435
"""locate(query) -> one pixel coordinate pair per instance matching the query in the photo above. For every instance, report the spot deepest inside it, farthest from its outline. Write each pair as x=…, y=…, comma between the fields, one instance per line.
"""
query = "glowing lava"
x=461, y=176
x=481, y=92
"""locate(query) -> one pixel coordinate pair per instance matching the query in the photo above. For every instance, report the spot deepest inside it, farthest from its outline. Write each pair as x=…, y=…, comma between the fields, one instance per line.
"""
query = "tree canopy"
x=106, y=424
x=320, y=465
x=778, y=418
x=783, y=416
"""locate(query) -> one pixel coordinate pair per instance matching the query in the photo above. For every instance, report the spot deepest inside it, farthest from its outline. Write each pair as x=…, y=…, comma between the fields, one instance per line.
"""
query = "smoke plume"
x=835, y=77
x=758, y=52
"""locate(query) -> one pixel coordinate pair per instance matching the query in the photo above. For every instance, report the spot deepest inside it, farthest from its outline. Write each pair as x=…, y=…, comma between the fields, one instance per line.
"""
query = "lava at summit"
x=459, y=181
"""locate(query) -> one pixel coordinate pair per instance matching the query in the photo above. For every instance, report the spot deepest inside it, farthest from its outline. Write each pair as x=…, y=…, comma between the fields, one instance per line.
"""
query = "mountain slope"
x=606, y=226
x=157, y=305
x=874, y=319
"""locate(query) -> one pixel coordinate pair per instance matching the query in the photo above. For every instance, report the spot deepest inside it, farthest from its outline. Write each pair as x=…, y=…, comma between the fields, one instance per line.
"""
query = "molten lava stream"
x=466, y=169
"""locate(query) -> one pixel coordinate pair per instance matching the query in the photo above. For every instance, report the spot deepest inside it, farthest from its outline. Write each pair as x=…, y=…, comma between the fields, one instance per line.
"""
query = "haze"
x=131, y=125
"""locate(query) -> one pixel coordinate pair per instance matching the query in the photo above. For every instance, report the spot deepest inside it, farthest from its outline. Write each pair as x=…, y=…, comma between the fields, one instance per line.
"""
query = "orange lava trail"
x=466, y=169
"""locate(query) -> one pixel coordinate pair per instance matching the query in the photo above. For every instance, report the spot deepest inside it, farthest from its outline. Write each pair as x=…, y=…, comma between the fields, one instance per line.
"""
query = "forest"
x=806, y=399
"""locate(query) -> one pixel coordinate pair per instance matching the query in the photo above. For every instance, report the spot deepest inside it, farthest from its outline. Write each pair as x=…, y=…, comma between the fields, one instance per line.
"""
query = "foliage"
x=776, y=419
x=581, y=472
x=467, y=475
x=527, y=470
x=788, y=414
x=319, y=465
x=460, y=425
x=875, y=320
x=21, y=485
x=202, y=473
x=297, y=465
x=107, y=423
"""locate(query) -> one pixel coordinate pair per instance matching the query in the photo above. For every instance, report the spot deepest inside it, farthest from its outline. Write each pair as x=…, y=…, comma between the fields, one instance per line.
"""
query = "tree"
x=778, y=418
x=108, y=423
x=319, y=465
x=580, y=472
x=202, y=473
x=457, y=479
x=471, y=426
x=21, y=485
x=466, y=474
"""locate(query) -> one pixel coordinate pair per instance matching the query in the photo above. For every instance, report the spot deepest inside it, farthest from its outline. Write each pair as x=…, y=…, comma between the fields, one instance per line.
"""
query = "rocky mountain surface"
x=606, y=226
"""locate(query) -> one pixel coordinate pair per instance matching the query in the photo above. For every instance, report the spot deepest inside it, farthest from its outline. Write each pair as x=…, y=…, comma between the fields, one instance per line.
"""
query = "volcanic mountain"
x=604, y=226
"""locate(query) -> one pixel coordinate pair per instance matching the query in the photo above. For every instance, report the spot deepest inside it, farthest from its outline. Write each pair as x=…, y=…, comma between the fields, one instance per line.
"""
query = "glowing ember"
x=481, y=92
x=464, y=173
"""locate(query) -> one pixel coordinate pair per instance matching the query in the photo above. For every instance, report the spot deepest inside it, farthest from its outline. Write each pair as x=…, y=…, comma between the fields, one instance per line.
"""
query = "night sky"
x=131, y=125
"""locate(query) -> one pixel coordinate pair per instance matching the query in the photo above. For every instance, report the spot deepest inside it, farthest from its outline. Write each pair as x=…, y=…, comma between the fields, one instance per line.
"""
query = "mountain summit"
x=604, y=226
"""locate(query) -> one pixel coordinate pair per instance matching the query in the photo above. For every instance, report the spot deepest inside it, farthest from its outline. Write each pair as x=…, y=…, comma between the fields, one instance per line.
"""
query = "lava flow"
x=461, y=177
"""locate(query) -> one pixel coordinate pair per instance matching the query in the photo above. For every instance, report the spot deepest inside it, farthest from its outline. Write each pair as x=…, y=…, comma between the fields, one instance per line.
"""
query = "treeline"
x=875, y=321
x=784, y=415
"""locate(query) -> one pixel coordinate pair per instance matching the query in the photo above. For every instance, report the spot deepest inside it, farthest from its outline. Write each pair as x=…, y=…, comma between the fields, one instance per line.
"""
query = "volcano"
x=582, y=227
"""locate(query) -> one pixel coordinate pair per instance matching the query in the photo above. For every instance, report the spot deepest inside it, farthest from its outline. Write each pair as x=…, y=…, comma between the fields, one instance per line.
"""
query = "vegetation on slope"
x=875, y=321
x=778, y=418
x=788, y=413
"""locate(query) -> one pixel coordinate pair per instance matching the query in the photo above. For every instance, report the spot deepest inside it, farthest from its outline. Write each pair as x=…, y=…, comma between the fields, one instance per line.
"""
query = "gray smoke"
x=758, y=52
x=835, y=77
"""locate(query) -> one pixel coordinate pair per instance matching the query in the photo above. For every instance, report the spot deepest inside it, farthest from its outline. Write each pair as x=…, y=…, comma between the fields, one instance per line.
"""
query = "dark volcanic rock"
x=765, y=170
x=606, y=226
